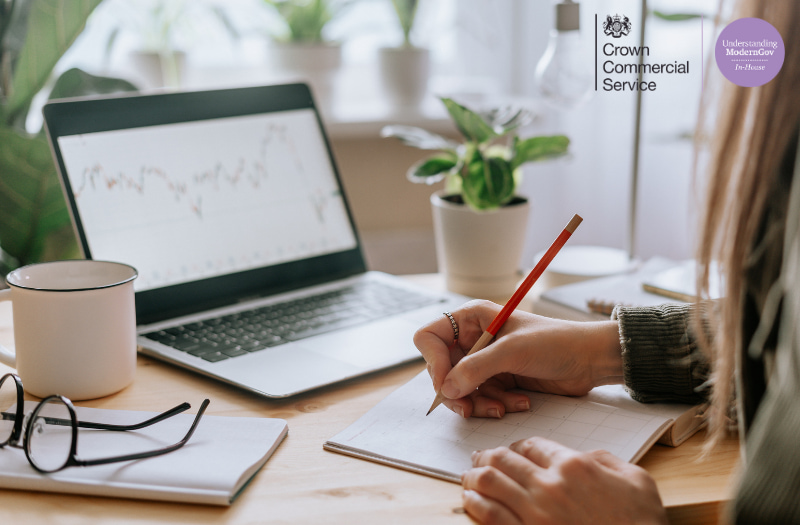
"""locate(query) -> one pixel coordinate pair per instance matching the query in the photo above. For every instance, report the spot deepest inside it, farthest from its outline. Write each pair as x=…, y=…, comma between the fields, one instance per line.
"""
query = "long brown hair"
x=753, y=131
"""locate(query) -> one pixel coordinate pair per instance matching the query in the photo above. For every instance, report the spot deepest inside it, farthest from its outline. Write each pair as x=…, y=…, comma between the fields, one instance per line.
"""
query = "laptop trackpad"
x=288, y=369
x=369, y=347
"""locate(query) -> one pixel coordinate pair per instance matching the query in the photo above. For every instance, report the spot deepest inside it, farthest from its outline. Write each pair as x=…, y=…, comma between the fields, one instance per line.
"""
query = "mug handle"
x=7, y=357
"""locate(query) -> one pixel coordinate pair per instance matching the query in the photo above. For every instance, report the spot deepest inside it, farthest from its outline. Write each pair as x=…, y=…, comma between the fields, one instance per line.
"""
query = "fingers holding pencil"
x=476, y=385
x=530, y=352
x=436, y=339
x=480, y=384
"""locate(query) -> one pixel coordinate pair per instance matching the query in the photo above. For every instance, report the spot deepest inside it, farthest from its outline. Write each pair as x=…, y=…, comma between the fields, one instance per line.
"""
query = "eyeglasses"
x=50, y=437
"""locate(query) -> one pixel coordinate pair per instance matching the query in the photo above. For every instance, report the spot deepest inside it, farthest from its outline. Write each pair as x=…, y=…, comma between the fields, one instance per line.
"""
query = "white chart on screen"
x=198, y=199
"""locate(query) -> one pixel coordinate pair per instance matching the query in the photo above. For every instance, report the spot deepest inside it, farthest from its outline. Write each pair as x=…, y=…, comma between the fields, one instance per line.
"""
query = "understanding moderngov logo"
x=749, y=52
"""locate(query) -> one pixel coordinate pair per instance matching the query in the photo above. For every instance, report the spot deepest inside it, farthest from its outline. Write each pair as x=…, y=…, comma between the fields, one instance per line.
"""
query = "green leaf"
x=304, y=20
x=503, y=183
x=537, y=148
x=432, y=169
x=77, y=83
x=676, y=17
x=13, y=28
x=53, y=26
x=32, y=207
x=406, y=12
x=469, y=123
x=489, y=183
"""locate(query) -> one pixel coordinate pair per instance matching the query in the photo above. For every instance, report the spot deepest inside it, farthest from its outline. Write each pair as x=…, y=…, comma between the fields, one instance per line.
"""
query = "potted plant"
x=162, y=29
x=302, y=49
x=479, y=219
x=34, y=221
x=405, y=69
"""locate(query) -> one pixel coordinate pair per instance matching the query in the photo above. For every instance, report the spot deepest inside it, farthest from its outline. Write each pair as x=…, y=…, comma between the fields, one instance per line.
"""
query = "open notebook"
x=213, y=468
x=396, y=431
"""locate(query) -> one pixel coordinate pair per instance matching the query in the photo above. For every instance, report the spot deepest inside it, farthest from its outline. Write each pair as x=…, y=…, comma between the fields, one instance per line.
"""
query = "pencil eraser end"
x=573, y=224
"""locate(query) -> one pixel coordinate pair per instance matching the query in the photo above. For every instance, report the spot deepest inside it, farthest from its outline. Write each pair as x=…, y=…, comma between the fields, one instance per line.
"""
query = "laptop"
x=230, y=206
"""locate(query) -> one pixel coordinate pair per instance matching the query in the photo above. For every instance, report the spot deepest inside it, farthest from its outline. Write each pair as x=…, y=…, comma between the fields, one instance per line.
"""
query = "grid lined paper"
x=396, y=431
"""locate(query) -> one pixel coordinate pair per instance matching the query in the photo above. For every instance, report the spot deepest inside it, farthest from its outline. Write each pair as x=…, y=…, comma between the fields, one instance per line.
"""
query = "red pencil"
x=523, y=289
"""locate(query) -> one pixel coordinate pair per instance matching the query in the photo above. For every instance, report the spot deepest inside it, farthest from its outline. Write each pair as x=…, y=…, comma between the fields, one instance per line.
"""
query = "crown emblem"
x=616, y=26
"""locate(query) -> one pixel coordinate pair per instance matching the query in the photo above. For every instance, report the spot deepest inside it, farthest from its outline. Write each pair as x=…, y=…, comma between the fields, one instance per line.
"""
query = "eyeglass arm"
x=108, y=426
x=151, y=453
x=136, y=426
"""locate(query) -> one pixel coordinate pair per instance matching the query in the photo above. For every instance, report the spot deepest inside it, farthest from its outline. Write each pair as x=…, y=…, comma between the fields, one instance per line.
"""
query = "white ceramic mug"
x=74, y=327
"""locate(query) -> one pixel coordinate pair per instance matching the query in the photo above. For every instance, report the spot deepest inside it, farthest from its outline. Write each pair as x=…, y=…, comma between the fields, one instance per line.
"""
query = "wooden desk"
x=302, y=483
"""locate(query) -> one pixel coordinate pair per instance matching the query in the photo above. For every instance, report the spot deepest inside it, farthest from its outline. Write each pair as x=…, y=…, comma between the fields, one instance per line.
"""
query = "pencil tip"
x=436, y=402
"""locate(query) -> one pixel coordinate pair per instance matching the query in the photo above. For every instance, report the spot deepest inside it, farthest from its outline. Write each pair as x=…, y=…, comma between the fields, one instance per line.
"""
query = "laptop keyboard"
x=249, y=331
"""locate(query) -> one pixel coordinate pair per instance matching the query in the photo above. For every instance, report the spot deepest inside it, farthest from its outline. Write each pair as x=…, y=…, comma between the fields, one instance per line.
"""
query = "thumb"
x=473, y=370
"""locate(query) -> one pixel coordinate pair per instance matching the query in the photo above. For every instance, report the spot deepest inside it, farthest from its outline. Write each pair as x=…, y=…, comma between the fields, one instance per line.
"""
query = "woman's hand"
x=529, y=352
x=539, y=481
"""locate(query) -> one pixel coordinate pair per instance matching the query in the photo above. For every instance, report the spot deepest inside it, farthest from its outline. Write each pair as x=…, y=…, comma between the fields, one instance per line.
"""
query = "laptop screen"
x=194, y=200
x=215, y=197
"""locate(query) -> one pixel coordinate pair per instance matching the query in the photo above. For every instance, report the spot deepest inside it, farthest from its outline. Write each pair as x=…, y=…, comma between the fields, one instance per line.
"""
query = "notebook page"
x=396, y=431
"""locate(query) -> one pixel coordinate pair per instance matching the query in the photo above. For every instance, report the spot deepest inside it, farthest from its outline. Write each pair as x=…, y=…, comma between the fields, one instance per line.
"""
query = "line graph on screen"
x=245, y=174
x=216, y=195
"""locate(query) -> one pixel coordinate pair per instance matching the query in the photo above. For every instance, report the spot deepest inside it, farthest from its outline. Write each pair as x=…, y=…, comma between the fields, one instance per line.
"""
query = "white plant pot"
x=316, y=64
x=158, y=70
x=404, y=75
x=479, y=253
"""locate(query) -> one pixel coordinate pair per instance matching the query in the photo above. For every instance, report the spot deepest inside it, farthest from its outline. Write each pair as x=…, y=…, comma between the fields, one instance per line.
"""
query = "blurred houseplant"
x=302, y=48
x=405, y=69
x=479, y=219
x=163, y=29
x=406, y=13
x=304, y=20
x=34, y=34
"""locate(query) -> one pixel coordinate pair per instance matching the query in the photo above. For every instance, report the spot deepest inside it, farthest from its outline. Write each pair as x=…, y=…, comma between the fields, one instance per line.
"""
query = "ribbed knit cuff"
x=660, y=358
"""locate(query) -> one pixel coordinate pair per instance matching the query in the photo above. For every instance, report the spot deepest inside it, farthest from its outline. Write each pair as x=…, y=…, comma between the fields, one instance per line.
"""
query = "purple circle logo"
x=749, y=52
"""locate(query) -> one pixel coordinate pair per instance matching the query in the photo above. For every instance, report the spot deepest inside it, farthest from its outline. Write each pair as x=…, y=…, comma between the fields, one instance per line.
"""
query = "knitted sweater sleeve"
x=660, y=356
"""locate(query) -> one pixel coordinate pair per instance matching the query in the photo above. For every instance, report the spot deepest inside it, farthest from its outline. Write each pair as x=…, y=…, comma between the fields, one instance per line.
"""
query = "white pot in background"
x=404, y=75
x=316, y=64
x=479, y=253
x=158, y=70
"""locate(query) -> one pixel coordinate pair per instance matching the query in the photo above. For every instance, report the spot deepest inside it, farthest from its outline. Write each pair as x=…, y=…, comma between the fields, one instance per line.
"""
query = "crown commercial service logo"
x=616, y=26
x=621, y=65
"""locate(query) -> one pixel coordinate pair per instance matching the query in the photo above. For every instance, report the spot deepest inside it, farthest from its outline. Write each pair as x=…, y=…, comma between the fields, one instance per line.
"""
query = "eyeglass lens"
x=8, y=404
x=50, y=435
